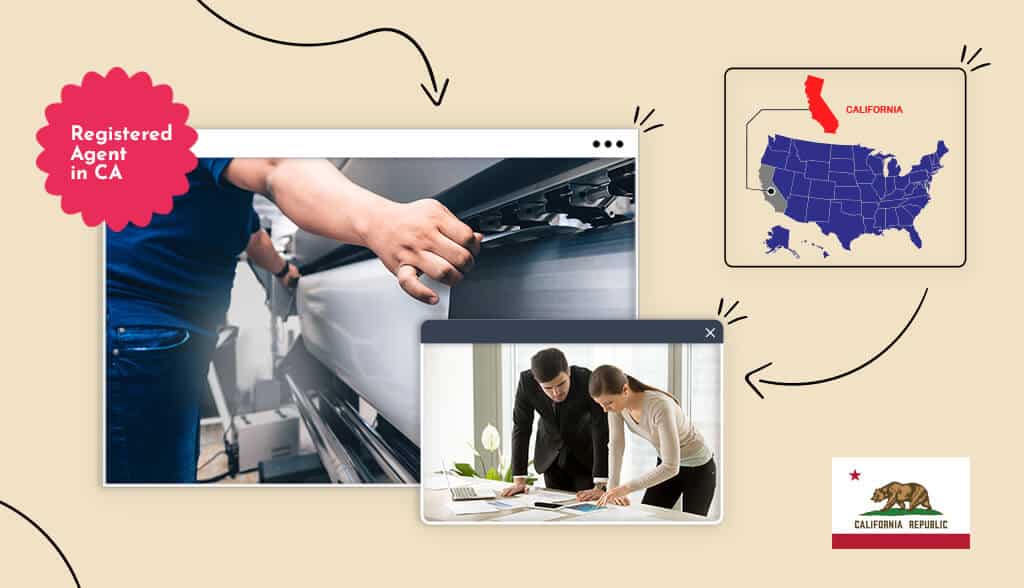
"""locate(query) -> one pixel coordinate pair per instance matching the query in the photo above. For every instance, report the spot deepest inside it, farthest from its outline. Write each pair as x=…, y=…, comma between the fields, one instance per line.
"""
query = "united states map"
x=847, y=190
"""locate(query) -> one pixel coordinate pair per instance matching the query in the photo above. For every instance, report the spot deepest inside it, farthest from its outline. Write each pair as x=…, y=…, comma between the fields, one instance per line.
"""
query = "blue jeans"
x=156, y=376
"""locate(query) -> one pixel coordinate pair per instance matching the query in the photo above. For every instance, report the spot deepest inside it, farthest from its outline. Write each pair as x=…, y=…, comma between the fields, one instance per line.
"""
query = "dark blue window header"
x=571, y=331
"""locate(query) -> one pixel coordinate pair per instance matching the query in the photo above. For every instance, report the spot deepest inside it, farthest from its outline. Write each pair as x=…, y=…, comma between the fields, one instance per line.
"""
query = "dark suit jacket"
x=581, y=427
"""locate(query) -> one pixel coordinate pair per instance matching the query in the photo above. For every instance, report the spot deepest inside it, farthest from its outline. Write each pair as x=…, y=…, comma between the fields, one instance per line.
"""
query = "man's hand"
x=289, y=279
x=618, y=495
x=414, y=238
x=516, y=488
x=589, y=495
x=422, y=237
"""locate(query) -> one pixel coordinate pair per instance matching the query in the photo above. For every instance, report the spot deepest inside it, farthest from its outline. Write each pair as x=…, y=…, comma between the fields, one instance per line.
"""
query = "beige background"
x=933, y=104
x=951, y=387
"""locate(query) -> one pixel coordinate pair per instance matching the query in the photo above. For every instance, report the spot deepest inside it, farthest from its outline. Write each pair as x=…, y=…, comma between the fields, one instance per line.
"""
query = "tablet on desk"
x=584, y=507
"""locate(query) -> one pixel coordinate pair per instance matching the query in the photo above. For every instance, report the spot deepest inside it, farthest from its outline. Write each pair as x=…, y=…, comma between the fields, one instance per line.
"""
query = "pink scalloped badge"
x=116, y=149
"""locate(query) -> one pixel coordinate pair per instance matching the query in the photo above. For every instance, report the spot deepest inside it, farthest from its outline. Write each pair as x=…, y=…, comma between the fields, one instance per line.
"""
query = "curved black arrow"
x=751, y=373
x=48, y=538
x=435, y=97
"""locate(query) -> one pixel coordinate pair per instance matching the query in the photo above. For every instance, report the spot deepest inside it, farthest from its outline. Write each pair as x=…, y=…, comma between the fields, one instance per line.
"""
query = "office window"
x=448, y=374
x=704, y=386
x=701, y=375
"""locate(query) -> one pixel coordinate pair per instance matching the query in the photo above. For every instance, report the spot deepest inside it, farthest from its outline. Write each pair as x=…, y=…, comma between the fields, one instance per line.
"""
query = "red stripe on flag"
x=901, y=541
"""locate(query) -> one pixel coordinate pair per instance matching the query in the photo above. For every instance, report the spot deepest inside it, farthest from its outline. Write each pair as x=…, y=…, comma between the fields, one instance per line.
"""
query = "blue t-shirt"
x=178, y=270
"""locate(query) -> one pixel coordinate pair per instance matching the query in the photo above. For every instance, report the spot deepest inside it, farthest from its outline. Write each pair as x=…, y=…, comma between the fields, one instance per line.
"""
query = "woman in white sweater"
x=685, y=466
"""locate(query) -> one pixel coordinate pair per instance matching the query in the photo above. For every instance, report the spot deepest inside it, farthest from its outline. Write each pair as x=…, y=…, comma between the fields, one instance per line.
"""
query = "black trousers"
x=695, y=484
x=568, y=474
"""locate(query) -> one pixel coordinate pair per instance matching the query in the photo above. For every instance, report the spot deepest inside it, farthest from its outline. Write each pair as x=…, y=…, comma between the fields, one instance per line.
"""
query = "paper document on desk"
x=471, y=507
x=545, y=496
x=530, y=516
x=509, y=503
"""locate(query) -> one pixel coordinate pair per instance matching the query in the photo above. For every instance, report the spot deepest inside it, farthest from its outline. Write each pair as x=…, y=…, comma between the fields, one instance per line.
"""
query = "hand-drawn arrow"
x=46, y=535
x=435, y=96
x=751, y=373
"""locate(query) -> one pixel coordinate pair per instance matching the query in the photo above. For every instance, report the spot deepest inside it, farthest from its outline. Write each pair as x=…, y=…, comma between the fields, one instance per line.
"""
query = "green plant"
x=490, y=441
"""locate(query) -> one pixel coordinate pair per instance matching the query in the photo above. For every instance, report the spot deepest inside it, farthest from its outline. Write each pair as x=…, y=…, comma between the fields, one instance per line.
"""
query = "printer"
x=559, y=242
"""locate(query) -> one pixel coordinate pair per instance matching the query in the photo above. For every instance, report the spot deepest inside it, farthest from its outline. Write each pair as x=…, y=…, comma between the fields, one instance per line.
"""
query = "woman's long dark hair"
x=608, y=379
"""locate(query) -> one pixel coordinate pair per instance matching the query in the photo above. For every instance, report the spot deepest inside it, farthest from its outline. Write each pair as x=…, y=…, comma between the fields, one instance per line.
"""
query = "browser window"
x=550, y=221
x=552, y=414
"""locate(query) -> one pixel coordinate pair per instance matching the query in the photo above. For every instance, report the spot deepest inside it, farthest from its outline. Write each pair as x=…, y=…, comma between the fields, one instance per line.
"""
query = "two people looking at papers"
x=579, y=449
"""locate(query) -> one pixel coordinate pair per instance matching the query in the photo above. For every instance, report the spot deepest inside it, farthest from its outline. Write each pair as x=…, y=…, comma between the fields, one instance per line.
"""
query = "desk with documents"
x=438, y=507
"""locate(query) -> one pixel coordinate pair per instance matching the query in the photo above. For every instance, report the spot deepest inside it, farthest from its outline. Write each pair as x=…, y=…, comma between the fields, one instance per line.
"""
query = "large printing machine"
x=559, y=242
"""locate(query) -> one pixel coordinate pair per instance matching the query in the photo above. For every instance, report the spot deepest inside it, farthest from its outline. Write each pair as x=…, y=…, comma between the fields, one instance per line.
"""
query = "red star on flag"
x=854, y=475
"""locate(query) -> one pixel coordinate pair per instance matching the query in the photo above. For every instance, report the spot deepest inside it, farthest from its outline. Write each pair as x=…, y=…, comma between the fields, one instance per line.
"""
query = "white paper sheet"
x=360, y=324
x=471, y=507
x=509, y=503
x=545, y=496
x=530, y=515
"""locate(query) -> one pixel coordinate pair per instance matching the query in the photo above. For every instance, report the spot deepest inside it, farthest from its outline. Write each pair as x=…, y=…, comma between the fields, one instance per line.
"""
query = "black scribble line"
x=49, y=539
x=737, y=319
x=651, y=128
x=856, y=369
x=973, y=56
x=393, y=30
x=963, y=53
x=731, y=308
x=721, y=301
x=647, y=117
x=977, y=67
x=636, y=113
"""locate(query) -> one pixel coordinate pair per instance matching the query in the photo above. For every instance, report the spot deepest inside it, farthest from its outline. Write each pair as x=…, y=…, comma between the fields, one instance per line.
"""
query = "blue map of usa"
x=847, y=190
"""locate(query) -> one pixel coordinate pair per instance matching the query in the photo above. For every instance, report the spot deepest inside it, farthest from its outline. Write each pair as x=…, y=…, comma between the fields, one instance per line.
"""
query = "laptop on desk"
x=465, y=492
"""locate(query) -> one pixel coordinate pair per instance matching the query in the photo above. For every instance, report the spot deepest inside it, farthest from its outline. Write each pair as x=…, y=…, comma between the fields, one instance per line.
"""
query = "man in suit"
x=572, y=438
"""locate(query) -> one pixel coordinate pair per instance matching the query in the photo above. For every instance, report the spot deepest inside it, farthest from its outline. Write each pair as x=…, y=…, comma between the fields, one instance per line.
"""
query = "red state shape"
x=819, y=109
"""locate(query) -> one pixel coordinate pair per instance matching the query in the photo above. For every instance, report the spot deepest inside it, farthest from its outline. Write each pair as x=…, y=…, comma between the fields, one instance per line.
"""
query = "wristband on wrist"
x=284, y=270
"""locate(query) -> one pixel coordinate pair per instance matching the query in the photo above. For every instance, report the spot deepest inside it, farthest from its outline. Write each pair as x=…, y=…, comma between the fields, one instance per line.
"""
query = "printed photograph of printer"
x=572, y=422
x=303, y=367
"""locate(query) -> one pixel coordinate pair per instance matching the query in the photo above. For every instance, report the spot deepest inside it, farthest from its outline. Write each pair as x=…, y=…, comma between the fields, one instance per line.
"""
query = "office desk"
x=435, y=505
